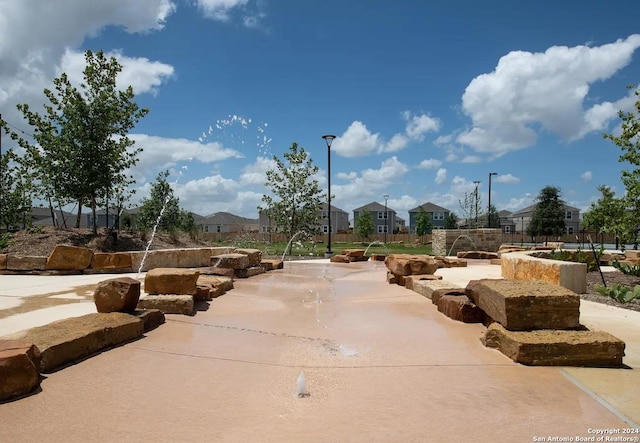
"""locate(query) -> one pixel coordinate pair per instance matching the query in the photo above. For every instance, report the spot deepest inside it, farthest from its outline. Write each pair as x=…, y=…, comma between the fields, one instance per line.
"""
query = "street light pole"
x=329, y=139
x=489, y=213
x=386, y=217
x=476, y=182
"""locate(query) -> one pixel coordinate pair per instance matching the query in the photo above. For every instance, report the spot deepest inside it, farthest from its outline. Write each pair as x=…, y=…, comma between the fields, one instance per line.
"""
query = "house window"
x=206, y=228
x=507, y=229
x=382, y=215
x=568, y=216
x=438, y=215
x=569, y=229
x=325, y=229
x=382, y=229
x=324, y=214
x=218, y=228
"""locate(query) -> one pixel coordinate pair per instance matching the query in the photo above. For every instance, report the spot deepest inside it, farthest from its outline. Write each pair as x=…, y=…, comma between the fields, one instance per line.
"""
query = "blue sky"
x=425, y=97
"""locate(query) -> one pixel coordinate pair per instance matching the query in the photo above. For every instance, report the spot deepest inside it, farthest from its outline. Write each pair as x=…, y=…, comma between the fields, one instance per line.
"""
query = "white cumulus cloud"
x=441, y=176
x=586, y=176
x=430, y=163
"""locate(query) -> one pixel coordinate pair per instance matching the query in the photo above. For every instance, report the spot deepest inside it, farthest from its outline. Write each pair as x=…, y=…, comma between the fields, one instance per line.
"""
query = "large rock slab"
x=522, y=266
x=426, y=288
x=254, y=255
x=410, y=280
x=65, y=257
x=439, y=293
x=556, y=348
x=339, y=258
x=117, y=295
x=171, y=281
x=19, y=373
x=112, y=261
x=3, y=262
x=175, y=258
x=212, y=270
x=25, y=263
x=226, y=283
x=352, y=253
x=526, y=305
x=483, y=255
x=151, y=318
x=69, y=340
x=269, y=264
x=231, y=261
x=460, y=308
x=451, y=262
x=169, y=304
x=407, y=264
x=251, y=271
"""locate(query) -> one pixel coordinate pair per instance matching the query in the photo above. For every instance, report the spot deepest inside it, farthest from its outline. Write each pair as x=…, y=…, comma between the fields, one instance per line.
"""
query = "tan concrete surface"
x=380, y=362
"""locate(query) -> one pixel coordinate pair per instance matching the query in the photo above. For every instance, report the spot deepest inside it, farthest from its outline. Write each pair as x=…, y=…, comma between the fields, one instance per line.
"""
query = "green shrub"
x=621, y=293
x=627, y=268
x=5, y=239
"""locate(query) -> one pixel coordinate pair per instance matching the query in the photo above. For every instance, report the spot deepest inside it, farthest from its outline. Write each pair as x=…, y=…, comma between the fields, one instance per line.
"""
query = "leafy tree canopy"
x=363, y=225
x=549, y=213
x=424, y=225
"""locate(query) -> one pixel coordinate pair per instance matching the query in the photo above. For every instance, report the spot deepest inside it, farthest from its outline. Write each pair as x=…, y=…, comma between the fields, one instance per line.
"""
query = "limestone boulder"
x=65, y=257
x=231, y=261
x=378, y=257
x=339, y=258
x=483, y=255
x=117, y=295
x=69, y=340
x=410, y=280
x=168, y=303
x=251, y=271
x=19, y=362
x=407, y=264
x=269, y=264
x=526, y=305
x=439, y=293
x=226, y=283
x=25, y=263
x=254, y=255
x=426, y=288
x=3, y=262
x=151, y=318
x=353, y=252
x=460, y=308
x=212, y=270
x=120, y=261
x=171, y=281
x=556, y=347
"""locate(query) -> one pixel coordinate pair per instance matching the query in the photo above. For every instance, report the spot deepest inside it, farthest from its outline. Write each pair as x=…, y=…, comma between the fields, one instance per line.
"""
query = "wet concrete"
x=380, y=362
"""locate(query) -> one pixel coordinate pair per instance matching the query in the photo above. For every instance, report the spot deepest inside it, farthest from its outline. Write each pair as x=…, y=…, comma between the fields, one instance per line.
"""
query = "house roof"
x=429, y=207
x=226, y=218
x=373, y=207
x=531, y=208
x=333, y=208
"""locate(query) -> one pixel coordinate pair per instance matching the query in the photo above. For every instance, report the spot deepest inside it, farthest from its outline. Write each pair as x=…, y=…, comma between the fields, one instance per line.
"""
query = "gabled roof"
x=529, y=209
x=429, y=207
x=226, y=218
x=373, y=207
x=333, y=208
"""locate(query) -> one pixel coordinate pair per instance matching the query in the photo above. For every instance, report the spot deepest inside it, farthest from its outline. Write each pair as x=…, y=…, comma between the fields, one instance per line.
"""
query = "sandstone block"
x=255, y=255
x=66, y=341
x=522, y=266
x=212, y=270
x=339, y=258
x=460, y=308
x=526, y=305
x=25, y=263
x=353, y=252
x=171, y=281
x=249, y=272
x=426, y=288
x=67, y=257
x=111, y=260
x=378, y=257
x=484, y=255
x=168, y=303
x=226, y=283
x=556, y=348
x=391, y=278
x=232, y=261
x=409, y=280
x=439, y=293
x=19, y=373
x=3, y=262
x=407, y=264
x=117, y=295
x=173, y=258
x=151, y=318
x=269, y=264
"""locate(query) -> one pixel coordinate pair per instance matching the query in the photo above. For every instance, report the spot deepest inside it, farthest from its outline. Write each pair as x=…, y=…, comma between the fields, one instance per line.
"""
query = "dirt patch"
x=594, y=279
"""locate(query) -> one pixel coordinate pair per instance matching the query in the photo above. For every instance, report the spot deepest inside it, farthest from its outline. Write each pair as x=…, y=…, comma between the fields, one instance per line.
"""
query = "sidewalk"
x=380, y=362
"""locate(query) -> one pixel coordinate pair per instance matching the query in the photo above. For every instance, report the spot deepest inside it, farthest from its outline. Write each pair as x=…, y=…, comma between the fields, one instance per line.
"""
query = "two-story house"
x=384, y=218
x=521, y=219
x=437, y=214
x=220, y=222
x=339, y=220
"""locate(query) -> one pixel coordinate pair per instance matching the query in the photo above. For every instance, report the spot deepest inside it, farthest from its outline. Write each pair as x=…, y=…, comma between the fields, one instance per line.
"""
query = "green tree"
x=424, y=225
x=607, y=215
x=451, y=222
x=15, y=204
x=471, y=207
x=295, y=198
x=161, y=208
x=81, y=151
x=629, y=142
x=363, y=225
x=548, y=215
x=493, y=218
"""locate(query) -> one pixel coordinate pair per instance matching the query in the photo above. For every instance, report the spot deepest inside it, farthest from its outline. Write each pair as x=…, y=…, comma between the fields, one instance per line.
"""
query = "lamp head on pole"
x=329, y=139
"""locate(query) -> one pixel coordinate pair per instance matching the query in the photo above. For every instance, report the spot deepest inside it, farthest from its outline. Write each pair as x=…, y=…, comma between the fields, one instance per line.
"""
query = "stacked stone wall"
x=452, y=241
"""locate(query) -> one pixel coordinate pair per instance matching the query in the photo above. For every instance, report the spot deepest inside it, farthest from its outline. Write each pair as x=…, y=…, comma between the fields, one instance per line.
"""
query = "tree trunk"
x=79, y=215
x=93, y=212
x=53, y=214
